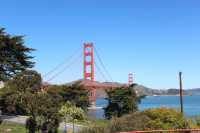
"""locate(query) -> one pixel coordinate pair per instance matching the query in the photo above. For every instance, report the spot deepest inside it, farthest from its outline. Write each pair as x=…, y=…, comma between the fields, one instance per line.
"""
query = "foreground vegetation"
x=151, y=119
x=9, y=127
x=12, y=128
x=46, y=109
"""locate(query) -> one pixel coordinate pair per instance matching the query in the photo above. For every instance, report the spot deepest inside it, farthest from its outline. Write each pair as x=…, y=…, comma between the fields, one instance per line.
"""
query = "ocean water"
x=191, y=105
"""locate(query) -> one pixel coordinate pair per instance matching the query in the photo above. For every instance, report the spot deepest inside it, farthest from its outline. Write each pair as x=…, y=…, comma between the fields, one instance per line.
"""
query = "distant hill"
x=140, y=89
x=100, y=93
x=143, y=90
x=195, y=91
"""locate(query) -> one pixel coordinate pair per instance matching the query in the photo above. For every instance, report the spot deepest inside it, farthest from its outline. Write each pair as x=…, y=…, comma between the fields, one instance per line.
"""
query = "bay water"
x=191, y=105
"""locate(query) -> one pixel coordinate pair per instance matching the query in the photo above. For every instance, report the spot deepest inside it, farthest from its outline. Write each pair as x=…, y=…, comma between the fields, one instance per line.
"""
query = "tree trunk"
x=73, y=125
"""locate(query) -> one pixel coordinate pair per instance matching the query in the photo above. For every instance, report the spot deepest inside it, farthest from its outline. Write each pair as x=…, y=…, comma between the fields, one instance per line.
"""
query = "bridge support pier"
x=92, y=97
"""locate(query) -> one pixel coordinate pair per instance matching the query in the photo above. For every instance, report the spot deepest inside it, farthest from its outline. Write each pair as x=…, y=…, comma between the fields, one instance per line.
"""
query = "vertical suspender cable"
x=102, y=64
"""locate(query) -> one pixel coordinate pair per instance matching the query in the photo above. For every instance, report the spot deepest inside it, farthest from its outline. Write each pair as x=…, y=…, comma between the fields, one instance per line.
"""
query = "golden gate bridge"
x=89, y=65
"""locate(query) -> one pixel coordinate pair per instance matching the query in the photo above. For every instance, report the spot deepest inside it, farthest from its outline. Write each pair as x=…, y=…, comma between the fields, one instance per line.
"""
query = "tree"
x=22, y=95
x=14, y=55
x=43, y=110
x=75, y=93
x=121, y=101
x=28, y=80
x=71, y=112
x=14, y=93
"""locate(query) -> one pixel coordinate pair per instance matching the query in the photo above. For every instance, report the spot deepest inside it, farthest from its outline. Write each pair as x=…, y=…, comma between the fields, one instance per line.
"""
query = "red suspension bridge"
x=89, y=65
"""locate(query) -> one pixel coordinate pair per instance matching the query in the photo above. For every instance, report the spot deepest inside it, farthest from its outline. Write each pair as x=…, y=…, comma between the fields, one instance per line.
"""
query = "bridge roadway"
x=93, y=86
x=100, y=85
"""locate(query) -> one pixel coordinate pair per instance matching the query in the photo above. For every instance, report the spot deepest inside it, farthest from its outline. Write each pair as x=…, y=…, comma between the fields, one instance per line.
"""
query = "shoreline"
x=170, y=95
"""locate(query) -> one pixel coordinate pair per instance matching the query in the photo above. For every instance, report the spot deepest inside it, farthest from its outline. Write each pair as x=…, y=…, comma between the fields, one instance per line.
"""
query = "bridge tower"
x=88, y=70
x=130, y=78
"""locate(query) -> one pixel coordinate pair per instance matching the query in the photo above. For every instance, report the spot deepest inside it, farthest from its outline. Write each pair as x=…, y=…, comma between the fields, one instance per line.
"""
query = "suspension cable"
x=102, y=64
x=62, y=63
x=65, y=68
x=101, y=73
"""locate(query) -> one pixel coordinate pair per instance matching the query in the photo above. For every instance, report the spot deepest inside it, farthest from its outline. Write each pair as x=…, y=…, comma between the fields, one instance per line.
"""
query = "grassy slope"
x=17, y=128
x=90, y=122
x=14, y=128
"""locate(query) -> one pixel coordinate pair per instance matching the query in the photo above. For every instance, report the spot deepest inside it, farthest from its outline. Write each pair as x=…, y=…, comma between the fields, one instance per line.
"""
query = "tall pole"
x=181, y=91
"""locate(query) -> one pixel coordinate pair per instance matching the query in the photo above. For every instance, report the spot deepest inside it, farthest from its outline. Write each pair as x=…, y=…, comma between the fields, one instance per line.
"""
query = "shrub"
x=151, y=119
x=165, y=118
x=197, y=121
x=131, y=122
x=95, y=129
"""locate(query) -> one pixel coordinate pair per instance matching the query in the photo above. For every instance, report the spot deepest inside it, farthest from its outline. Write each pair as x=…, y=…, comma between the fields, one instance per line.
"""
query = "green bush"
x=165, y=118
x=151, y=119
x=95, y=129
x=197, y=121
x=131, y=122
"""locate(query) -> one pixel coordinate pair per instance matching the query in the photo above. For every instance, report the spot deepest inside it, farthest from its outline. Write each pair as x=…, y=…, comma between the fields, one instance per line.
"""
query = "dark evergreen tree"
x=75, y=93
x=43, y=110
x=121, y=101
x=15, y=90
x=14, y=55
x=22, y=95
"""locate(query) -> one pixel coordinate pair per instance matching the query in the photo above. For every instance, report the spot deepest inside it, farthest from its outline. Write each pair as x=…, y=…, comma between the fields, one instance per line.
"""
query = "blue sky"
x=154, y=39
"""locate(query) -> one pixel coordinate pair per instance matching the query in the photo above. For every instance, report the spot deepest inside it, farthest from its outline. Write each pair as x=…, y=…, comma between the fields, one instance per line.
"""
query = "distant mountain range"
x=142, y=90
x=195, y=91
